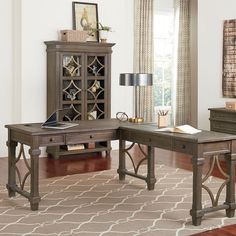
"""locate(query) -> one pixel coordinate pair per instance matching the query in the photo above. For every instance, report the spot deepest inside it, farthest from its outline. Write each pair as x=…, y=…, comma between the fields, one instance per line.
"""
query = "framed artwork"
x=85, y=18
x=229, y=59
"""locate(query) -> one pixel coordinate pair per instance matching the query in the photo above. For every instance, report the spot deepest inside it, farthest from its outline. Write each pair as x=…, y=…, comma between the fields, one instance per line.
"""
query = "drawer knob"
x=51, y=139
x=91, y=136
x=183, y=146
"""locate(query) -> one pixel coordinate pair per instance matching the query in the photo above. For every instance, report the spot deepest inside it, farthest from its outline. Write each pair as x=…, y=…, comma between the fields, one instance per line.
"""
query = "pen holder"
x=162, y=121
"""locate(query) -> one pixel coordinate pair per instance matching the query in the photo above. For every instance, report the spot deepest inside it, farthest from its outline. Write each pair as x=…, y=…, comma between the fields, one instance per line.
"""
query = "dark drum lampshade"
x=136, y=80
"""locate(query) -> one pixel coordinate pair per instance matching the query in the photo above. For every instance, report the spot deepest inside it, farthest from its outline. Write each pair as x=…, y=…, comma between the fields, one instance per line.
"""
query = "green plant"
x=103, y=27
x=100, y=27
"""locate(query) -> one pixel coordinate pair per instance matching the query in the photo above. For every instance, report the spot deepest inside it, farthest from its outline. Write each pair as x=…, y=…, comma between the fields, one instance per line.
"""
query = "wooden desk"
x=200, y=146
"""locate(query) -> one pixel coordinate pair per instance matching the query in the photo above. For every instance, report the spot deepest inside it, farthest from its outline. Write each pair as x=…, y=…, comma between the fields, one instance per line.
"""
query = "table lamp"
x=136, y=80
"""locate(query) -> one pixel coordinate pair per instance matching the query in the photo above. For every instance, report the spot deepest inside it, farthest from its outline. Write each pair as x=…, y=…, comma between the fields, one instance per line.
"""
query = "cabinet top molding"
x=82, y=46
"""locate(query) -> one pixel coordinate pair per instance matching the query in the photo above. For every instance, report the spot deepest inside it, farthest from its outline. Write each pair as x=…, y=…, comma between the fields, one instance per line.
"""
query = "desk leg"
x=122, y=169
x=11, y=168
x=151, y=180
x=196, y=211
x=230, y=187
x=34, y=182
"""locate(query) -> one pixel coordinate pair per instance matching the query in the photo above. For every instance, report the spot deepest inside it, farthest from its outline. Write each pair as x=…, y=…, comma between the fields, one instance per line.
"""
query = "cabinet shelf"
x=96, y=101
x=63, y=152
x=72, y=78
x=71, y=102
x=96, y=77
x=98, y=148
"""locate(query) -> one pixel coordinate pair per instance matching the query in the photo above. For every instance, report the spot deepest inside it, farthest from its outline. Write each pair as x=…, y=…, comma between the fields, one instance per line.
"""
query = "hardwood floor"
x=48, y=167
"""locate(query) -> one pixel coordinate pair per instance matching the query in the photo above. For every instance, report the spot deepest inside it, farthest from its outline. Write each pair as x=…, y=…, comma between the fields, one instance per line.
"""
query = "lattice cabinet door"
x=72, y=86
x=96, y=87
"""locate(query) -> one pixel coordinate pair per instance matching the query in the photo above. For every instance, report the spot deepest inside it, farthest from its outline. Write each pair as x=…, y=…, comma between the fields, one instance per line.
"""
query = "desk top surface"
x=83, y=126
x=35, y=129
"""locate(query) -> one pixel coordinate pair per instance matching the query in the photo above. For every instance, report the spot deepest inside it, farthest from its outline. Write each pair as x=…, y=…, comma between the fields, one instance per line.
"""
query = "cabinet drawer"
x=182, y=146
x=223, y=126
x=223, y=115
x=51, y=140
x=91, y=136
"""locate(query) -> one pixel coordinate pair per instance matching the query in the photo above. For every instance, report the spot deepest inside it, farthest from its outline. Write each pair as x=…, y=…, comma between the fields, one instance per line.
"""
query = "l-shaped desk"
x=200, y=146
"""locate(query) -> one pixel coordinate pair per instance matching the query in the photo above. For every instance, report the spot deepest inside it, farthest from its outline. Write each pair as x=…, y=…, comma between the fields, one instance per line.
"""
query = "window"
x=163, y=58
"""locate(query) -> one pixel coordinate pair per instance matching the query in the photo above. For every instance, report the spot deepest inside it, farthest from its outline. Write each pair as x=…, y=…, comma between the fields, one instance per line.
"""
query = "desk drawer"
x=51, y=140
x=154, y=139
x=92, y=136
x=182, y=146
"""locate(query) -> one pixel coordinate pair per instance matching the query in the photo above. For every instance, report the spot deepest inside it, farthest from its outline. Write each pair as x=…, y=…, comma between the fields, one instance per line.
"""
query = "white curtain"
x=143, y=53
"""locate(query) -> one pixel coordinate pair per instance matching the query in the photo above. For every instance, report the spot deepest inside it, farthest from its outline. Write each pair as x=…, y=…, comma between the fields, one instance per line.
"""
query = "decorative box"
x=90, y=145
x=230, y=105
x=73, y=35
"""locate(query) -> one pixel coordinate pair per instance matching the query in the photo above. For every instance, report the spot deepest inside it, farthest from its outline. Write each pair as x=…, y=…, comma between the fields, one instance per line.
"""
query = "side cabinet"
x=223, y=120
x=79, y=82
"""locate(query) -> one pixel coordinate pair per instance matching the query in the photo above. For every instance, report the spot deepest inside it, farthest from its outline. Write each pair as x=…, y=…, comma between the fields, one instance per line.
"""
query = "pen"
x=162, y=112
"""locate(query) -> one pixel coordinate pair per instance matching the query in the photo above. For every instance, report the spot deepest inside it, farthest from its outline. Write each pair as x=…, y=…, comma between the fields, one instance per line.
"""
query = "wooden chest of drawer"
x=223, y=126
x=223, y=114
x=223, y=120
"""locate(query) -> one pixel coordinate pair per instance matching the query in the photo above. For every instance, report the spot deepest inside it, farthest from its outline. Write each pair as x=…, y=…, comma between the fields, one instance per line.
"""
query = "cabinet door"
x=72, y=84
x=96, y=86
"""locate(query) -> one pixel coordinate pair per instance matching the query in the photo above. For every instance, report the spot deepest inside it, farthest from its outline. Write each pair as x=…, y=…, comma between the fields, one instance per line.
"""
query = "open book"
x=184, y=129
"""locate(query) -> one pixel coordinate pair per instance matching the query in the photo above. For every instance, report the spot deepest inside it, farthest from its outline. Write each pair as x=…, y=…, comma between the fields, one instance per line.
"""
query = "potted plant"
x=102, y=30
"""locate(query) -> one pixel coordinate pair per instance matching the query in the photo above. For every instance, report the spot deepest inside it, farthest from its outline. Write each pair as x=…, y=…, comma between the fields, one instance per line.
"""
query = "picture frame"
x=229, y=55
x=85, y=17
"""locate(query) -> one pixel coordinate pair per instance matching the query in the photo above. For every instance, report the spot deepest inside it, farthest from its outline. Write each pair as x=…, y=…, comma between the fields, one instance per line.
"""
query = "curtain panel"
x=143, y=53
x=182, y=97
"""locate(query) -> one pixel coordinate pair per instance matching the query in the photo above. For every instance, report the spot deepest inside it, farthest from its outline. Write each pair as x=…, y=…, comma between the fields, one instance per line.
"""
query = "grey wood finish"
x=223, y=120
x=200, y=146
x=58, y=80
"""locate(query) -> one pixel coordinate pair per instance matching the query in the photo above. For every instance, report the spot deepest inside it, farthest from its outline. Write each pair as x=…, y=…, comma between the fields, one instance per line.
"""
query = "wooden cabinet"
x=223, y=120
x=79, y=81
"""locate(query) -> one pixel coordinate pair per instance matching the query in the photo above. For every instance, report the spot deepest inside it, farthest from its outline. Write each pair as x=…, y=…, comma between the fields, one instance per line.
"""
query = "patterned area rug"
x=99, y=204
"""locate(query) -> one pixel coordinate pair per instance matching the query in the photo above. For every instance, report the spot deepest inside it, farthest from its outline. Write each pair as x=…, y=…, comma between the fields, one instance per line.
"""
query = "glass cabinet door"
x=71, y=65
x=95, y=87
x=72, y=86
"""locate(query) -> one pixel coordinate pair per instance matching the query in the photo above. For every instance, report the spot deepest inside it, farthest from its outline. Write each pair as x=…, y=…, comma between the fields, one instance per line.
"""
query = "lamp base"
x=136, y=120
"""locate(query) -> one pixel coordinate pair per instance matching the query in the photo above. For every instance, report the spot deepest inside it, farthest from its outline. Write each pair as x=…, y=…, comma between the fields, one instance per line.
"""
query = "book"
x=72, y=147
x=183, y=129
